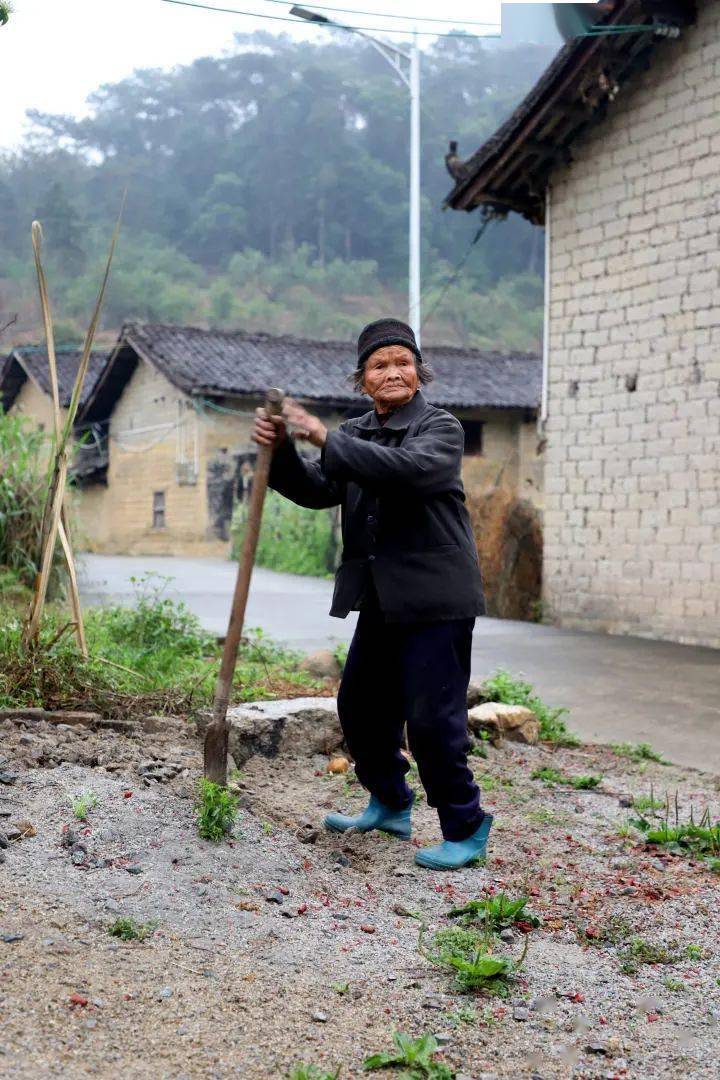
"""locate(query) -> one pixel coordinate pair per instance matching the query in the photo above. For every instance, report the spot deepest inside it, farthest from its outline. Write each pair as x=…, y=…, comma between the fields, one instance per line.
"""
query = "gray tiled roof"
x=216, y=362
x=33, y=359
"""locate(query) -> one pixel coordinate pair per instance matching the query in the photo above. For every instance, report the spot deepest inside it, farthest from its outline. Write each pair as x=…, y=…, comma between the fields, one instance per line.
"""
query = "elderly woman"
x=409, y=566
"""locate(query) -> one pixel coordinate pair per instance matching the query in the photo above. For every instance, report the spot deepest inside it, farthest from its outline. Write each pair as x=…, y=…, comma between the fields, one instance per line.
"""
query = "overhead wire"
x=335, y=26
x=455, y=273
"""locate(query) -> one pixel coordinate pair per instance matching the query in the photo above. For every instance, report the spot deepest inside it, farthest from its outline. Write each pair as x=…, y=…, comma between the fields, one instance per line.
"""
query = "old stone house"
x=25, y=382
x=171, y=414
x=616, y=151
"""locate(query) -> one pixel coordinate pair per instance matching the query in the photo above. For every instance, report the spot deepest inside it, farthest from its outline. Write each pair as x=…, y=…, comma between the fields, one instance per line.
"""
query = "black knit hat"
x=385, y=332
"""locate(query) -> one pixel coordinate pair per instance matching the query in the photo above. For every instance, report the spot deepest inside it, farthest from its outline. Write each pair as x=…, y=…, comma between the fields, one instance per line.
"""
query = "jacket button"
x=371, y=558
x=371, y=520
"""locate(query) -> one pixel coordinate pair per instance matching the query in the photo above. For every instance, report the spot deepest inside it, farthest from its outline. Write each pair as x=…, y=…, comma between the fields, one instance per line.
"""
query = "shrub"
x=292, y=538
x=510, y=689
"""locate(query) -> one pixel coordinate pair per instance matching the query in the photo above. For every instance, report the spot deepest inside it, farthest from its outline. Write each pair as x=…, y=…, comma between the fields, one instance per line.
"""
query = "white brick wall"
x=632, y=521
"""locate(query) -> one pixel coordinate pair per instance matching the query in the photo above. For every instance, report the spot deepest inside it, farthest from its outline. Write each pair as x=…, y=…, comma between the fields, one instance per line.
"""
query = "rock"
x=338, y=765
x=153, y=725
x=513, y=722
x=319, y=1017
x=475, y=694
x=26, y=829
x=166, y=992
x=9, y=939
x=307, y=833
x=521, y=1014
x=625, y=800
x=7, y=778
x=442, y=1038
x=13, y=833
x=507, y=935
x=3, y=840
x=620, y=863
x=275, y=897
x=367, y=928
x=321, y=665
x=597, y=1046
x=299, y=727
x=340, y=859
x=402, y=911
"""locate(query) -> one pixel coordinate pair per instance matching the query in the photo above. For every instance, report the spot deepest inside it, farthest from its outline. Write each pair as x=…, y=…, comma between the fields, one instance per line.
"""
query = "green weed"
x=638, y=752
x=313, y=1072
x=83, y=804
x=216, y=810
x=639, y=951
x=675, y=985
x=510, y=689
x=153, y=657
x=495, y=913
x=340, y=988
x=130, y=930
x=468, y=955
x=413, y=1055
x=550, y=776
x=693, y=839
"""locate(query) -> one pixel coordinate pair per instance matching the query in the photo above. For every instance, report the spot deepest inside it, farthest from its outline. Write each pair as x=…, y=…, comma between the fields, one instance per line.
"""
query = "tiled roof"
x=511, y=169
x=214, y=362
x=32, y=360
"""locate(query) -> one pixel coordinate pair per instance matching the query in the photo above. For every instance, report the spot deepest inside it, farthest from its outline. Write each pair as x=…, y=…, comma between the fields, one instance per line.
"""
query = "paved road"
x=617, y=688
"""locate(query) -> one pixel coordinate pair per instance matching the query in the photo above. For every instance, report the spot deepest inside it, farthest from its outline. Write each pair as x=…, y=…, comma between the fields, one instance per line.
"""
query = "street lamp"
x=397, y=58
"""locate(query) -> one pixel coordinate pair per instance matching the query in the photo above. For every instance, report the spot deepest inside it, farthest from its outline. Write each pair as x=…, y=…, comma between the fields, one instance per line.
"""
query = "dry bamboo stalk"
x=54, y=506
x=74, y=591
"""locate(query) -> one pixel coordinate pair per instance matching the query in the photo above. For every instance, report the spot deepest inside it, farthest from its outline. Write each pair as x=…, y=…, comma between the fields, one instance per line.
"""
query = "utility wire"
x=455, y=273
x=330, y=26
x=384, y=15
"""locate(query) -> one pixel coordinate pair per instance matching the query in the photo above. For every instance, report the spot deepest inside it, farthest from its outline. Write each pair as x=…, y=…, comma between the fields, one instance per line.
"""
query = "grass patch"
x=216, y=810
x=510, y=689
x=82, y=805
x=638, y=752
x=414, y=1056
x=638, y=951
x=153, y=657
x=130, y=930
x=699, y=840
x=551, y=776
x=496, y=913
x=468, y=955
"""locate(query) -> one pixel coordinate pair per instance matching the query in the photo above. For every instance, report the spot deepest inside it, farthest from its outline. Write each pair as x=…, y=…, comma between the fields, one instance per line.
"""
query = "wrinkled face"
x=390, y=376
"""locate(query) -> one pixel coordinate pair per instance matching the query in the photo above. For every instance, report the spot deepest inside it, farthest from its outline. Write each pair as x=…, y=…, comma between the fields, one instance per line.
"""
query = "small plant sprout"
x=131, y=930
x=341, y=988
x=216, y=810
x=413, y=1055
x=313, y=1072
x=700, y=840
x=82, y=805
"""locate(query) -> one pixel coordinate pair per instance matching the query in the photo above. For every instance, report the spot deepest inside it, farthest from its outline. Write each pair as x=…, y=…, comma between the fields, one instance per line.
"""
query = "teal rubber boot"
x=376, y=816
x=454, y=854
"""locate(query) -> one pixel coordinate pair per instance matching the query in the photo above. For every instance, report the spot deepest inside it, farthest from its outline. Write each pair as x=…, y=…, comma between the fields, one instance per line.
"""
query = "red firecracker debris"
x=367, y=928
x=127, y=794
x=77, y=999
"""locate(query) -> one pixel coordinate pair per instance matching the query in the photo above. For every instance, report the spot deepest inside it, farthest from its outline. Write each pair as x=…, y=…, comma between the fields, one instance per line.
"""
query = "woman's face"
x=390, y=376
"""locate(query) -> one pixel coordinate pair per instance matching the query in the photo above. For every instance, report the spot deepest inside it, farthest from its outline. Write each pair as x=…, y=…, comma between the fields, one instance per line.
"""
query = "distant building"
x=616, y=151
x=166, y=449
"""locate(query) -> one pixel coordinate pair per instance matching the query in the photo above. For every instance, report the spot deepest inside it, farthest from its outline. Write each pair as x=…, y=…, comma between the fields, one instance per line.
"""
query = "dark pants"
x=415, y=674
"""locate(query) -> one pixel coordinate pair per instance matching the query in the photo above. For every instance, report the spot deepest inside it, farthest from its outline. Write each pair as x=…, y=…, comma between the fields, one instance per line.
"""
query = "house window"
x=473, y=436
x=158, y=509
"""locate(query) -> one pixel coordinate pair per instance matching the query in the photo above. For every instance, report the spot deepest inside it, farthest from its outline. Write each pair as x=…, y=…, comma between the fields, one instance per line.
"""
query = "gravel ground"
x=282, y=946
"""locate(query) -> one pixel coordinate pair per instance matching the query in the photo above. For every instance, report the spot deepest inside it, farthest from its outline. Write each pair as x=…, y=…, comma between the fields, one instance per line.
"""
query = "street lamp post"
x=406, y=65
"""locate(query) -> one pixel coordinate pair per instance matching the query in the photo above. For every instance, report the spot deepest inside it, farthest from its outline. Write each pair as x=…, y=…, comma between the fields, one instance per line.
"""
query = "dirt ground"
x=281, y=946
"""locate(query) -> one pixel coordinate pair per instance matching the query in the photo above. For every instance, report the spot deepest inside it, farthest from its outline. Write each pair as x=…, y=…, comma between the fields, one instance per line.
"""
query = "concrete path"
x=618, y=689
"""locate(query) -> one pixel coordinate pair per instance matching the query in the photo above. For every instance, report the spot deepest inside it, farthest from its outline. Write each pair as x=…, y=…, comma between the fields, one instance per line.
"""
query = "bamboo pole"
x=54, y=523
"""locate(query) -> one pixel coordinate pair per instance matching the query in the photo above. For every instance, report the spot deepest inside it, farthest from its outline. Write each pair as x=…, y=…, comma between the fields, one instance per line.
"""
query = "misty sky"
x=53, y=54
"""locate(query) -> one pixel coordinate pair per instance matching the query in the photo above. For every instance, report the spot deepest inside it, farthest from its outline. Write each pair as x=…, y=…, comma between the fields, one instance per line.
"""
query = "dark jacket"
x=404, y=520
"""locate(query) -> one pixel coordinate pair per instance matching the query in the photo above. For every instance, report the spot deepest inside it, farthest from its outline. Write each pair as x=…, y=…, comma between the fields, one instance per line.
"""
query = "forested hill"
x=268, y=190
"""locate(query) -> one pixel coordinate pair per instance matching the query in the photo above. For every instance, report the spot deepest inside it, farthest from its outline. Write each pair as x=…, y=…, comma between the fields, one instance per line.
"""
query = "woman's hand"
x=308, y=427
x=268, y=430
